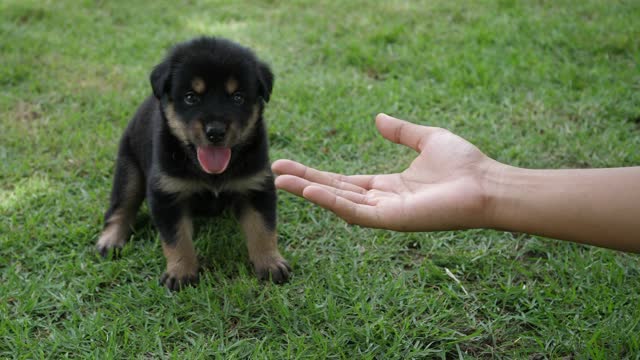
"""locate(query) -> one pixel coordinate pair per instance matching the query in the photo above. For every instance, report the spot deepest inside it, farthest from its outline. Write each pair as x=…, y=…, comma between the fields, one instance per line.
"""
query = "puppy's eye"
x=191, y=98
x=237, y=98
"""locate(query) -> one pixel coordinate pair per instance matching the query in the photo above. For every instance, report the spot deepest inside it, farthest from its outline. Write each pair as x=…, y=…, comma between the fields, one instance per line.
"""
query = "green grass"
x=532, y=83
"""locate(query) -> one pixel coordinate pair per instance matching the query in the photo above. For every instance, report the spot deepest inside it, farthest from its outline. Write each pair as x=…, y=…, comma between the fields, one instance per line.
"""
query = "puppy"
x=196, y=146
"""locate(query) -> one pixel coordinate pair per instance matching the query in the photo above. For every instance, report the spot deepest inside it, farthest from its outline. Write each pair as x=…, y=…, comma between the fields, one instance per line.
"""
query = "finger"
x=292, y=184
x=284, y=166
x=337, y=181
x=404, y=132
x=296, y=186
x=363, y=181
x=352, y=213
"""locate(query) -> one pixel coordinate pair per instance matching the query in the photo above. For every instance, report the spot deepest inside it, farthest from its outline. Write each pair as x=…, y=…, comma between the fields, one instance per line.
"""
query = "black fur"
x=151, y=149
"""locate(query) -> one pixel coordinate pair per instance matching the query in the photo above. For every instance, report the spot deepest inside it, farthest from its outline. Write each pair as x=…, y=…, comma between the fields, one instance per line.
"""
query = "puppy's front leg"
x=176, y=230
x=257, y=215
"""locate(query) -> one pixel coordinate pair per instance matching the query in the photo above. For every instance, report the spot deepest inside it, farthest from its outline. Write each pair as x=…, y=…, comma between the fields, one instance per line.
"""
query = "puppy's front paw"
x=273, y=267
x=178, y=277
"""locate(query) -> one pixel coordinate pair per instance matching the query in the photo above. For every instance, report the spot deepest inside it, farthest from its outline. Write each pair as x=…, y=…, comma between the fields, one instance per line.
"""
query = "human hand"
x=444, y=188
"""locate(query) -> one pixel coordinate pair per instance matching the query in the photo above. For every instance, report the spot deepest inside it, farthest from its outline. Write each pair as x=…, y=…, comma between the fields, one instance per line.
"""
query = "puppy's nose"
x=215, y=132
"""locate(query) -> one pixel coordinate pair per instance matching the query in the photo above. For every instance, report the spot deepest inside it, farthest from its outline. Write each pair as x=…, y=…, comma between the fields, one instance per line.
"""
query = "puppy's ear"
x=159, y=78
x=265, y=81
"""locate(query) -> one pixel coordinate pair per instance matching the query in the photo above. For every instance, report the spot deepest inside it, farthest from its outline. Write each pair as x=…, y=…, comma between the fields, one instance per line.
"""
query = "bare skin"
x=452, y=185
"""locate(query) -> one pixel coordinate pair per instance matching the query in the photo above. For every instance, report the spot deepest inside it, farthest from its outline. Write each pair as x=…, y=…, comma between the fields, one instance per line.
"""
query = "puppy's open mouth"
x=213, y=159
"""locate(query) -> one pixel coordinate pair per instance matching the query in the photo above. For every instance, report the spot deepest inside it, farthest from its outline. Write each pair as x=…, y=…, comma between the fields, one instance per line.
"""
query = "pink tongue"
x=214, y=159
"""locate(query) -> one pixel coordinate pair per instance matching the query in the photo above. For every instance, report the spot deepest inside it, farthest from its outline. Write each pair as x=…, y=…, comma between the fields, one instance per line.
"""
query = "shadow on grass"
x=220, y=245
x=218, y=240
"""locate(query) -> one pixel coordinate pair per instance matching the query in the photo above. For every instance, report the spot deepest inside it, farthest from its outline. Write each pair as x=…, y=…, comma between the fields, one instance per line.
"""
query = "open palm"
x=440, y=190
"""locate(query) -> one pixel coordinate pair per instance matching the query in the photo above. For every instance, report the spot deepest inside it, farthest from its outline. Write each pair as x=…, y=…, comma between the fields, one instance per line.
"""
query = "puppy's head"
x=212, y=92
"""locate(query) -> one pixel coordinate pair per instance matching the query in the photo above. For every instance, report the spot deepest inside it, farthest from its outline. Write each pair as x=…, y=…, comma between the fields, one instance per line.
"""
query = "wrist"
x=498, y=200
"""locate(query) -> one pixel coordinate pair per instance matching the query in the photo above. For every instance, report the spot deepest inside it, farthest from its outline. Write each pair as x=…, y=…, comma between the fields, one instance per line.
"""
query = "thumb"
x=403, y=132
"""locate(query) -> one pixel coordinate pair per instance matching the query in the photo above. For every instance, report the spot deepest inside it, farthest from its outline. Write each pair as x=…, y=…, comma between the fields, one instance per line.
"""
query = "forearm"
x=596, y=206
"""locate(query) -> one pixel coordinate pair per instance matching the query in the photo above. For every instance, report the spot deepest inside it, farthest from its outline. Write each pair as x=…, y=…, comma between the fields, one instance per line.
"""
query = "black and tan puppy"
x=196, y=146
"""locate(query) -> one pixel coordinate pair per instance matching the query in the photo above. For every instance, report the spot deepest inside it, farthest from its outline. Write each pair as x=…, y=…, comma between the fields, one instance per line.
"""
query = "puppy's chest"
x=184, y=187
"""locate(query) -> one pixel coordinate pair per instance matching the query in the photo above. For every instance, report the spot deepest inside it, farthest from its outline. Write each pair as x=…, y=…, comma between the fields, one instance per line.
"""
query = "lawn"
x=532, y=83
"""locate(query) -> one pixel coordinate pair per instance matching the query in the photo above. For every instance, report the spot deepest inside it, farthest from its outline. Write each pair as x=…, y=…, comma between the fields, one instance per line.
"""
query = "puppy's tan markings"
x=242, y=134
x=179, y=186
x=183, y=187
x=198, y=85
x=115, y=233
x=182, y=261
x=197, y=133
x=176, y=125
x=262, y=244
x=231, y=85
x=254, y=182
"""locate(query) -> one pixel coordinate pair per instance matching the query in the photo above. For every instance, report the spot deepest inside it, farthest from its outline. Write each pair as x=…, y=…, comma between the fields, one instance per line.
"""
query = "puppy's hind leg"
x=126, y=196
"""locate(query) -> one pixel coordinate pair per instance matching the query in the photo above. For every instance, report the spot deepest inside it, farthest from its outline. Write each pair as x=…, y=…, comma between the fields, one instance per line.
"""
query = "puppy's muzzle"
x=215, y=132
